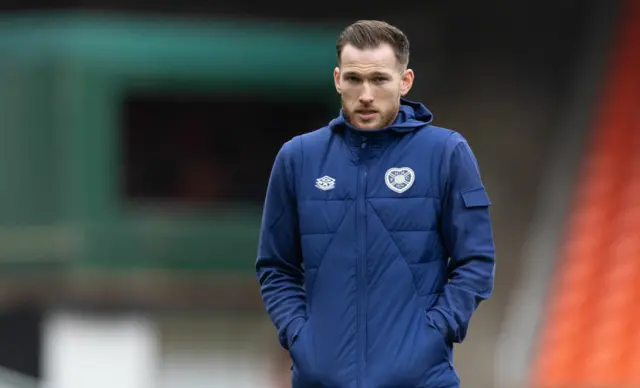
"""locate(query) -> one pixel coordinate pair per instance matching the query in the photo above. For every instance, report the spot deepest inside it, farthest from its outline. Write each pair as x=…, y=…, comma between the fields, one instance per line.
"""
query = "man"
x=376, y=243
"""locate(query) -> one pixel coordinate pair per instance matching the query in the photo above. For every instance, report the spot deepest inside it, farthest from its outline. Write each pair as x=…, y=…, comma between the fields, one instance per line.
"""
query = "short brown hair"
x=369, y=34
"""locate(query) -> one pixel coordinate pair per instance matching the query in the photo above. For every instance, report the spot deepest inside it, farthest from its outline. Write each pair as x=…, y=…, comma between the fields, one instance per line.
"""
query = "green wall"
x=62, y=81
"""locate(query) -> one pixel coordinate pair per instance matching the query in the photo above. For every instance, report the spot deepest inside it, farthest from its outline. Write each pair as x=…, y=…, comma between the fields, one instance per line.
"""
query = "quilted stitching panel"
x=399, y=214
x=320, y=222
x=322, y=216
x=420, y=250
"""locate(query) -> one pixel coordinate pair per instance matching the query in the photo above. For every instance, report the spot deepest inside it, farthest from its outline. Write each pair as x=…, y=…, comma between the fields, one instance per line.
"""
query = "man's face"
x=370, y=83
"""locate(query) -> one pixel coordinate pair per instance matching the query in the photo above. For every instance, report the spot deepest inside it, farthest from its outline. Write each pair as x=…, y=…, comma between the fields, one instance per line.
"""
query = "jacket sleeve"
x=468, y=239
x=279, y=264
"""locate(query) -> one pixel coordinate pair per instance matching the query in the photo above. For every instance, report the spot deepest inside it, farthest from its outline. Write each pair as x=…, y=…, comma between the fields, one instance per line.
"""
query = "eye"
x=353, y=79
x=379, y=80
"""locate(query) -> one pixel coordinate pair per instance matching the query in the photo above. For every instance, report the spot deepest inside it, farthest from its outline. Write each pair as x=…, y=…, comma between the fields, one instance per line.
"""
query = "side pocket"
x=431, y=324
x=298, y=351
x=436, y=353
x=298, y=338
x=429, y=304
x=446, y=348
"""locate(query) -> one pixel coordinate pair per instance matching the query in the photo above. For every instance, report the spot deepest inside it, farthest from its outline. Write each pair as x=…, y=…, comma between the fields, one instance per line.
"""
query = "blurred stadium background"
x=136, y=140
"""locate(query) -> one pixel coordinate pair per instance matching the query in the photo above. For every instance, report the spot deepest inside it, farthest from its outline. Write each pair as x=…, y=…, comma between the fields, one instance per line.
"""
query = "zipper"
x=361, y=285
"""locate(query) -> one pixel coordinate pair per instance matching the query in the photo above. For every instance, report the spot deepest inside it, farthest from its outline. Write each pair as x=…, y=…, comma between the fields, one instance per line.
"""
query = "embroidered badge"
x=399, y=179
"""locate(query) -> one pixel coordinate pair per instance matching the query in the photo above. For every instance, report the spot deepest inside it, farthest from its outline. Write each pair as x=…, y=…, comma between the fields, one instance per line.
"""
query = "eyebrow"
x=373, y=74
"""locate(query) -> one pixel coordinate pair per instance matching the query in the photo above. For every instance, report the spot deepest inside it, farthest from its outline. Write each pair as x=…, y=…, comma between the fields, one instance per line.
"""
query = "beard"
x=383, y=118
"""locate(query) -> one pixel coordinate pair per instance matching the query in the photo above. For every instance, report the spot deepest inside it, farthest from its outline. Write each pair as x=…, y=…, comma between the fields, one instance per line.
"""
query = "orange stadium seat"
x=590, y=336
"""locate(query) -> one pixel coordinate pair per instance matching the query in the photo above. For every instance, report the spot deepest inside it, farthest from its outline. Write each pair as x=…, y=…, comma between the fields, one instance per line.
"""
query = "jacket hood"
x=412, y=115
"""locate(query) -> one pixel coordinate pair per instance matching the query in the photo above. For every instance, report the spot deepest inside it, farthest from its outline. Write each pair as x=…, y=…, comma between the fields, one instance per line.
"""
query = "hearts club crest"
x=399, y=179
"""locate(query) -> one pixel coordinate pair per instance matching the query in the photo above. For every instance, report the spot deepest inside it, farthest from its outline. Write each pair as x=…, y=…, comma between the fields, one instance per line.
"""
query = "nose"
x=366, y=97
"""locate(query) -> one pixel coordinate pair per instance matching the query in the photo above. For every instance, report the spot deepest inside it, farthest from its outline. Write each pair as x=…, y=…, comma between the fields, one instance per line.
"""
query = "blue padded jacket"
x=375, y=249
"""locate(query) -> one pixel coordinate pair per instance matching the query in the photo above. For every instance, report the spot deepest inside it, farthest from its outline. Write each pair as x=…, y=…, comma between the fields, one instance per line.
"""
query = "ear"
x=407, y=82
x=336, y=79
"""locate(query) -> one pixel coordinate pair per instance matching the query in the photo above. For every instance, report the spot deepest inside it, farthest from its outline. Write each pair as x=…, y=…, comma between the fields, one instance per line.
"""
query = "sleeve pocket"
x=476, y=198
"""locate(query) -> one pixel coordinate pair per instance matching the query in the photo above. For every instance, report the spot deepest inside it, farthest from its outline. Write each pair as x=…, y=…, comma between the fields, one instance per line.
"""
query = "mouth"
x=366, y=114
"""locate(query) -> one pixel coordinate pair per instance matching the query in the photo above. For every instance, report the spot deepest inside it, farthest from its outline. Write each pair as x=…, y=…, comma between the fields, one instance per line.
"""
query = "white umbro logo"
x=325, y=183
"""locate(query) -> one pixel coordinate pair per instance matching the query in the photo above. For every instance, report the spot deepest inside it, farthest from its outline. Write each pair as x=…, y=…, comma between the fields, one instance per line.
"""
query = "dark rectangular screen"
x=207, y=149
